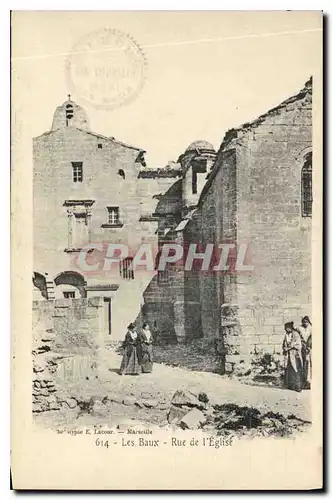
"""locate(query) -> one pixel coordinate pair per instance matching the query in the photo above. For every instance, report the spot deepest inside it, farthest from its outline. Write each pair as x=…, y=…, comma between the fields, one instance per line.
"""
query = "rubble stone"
x=72, y=403
x=194, y=419
x=176, y=413
x=182, y=398
x=54, y=406
x=129, y=401
x=150, y=403
x=100, y=408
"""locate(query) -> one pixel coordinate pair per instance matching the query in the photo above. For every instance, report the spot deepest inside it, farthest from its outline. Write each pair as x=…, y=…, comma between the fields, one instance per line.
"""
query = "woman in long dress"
x=305, y=331
x=292, y=349
x=130, y=362
x=146, y=349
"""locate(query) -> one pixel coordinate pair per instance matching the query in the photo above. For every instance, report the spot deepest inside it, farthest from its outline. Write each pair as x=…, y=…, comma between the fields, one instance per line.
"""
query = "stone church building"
x=256, y=189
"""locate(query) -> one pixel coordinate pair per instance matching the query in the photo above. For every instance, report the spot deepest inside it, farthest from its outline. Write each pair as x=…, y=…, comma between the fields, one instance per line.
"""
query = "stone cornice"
x=72, y=203
x=102, y=287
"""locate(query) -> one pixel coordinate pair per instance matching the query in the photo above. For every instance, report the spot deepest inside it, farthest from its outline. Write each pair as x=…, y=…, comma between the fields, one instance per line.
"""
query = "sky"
x=206, y=72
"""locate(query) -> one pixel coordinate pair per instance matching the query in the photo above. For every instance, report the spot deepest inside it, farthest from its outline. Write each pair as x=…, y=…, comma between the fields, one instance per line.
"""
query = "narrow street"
x=107, y=400
x=165, y=380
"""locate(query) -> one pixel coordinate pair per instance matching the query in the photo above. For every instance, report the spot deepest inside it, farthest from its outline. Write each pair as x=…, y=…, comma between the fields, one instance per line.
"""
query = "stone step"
x=50, y=289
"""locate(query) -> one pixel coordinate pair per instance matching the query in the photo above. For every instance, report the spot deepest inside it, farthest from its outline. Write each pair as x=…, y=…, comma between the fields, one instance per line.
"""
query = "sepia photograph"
x=167, y=193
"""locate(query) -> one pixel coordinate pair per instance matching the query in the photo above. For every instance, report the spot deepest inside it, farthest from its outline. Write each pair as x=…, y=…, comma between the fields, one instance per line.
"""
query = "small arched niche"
x=70, y=285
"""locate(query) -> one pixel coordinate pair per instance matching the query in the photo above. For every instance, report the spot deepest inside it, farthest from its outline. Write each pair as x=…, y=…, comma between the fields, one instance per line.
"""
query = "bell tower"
x=196, y=163
x=70, y=114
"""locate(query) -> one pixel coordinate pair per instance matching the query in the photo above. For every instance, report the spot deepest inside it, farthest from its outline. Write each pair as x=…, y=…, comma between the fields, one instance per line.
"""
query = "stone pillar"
x=179, y=305
x=179, y=315
x=230, y=332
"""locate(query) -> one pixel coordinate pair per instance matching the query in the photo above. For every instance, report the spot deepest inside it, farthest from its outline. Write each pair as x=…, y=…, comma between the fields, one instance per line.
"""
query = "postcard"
x=166, y=250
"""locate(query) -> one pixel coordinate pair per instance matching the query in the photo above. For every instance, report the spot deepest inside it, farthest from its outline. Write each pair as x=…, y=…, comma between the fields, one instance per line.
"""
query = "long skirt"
x=307, y=369
x=130, y=363
x=294, y=379
x=146, y=358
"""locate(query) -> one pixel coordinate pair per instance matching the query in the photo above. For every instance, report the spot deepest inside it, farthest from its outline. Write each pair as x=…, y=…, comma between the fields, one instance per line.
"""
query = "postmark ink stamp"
x=106, y=69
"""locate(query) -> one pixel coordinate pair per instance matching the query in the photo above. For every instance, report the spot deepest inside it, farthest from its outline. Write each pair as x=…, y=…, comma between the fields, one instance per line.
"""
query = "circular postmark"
x=106, y=68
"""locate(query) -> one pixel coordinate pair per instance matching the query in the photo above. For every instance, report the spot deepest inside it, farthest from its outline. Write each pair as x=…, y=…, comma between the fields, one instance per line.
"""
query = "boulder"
x=242, y=369
x=202, y=396
x=163, y=405
x=38, y=367
x=150, y=403
x=194, y=419
x=99, y=408
x=37, y=407
x=277, y=424
x=52, y=399
x=210, y=420
x=44, y=392
x=71, y=402
x=184, y=398
x=129, y=400
x=209, y=410
x=176, y=413
x=40, y=406
x=54, y=406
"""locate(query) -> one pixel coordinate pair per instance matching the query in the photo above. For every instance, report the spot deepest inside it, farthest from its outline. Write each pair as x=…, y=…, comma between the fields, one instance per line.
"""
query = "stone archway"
x=70, y=284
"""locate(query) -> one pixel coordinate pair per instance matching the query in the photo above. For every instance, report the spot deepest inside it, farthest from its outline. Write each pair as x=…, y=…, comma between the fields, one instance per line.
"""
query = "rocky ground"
x=173, y=397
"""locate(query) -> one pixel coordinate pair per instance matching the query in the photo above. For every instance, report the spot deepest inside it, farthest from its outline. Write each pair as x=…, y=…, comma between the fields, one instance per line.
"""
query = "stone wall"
x=260, y=193
x=269, y=179
x=139, y=192
x=208, y=286
x=67, y=348
x=252, y=196
x=53, y=185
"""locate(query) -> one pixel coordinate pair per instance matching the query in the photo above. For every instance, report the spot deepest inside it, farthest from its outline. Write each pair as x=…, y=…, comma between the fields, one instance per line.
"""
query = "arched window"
x=307, y=186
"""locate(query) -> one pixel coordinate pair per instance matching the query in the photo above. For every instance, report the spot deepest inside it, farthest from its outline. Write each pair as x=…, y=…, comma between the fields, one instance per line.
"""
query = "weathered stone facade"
x=89, y=188
x=250, y=192
x=261, y=187
x=68, y=341
x=252, y=195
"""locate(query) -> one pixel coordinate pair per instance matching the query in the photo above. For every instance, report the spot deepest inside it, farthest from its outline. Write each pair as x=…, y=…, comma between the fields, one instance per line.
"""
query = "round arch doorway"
x=70, y=285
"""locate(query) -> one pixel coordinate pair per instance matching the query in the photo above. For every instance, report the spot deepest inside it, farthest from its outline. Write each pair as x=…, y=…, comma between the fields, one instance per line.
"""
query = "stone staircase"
x=50, y=288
